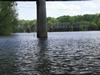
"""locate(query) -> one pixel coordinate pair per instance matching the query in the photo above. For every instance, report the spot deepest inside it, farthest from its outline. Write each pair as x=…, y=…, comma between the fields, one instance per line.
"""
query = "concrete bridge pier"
x=41, y=19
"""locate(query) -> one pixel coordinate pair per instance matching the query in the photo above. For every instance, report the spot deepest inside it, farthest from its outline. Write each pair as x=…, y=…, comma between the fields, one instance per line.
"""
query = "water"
x=69, y=53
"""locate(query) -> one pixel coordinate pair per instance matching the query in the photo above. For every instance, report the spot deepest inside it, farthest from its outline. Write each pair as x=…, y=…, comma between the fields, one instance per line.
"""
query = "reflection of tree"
x=43, y=63
x=8, y=57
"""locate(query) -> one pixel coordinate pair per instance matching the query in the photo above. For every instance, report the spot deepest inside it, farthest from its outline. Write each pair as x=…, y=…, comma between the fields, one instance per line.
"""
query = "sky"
x=27, y=10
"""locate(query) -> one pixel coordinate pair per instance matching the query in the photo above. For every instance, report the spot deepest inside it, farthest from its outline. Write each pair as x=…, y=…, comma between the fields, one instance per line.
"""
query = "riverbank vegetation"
x=64, y=23
x=8, y=17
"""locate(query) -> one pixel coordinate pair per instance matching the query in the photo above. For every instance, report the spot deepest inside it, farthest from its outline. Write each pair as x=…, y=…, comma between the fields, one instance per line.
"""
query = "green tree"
x=93, y=26
x=51, y=21
x=64, y=18
x=8, y=17
x=98, y=23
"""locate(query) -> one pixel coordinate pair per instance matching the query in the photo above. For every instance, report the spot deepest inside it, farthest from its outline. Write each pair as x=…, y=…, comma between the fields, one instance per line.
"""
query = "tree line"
x=92, y=21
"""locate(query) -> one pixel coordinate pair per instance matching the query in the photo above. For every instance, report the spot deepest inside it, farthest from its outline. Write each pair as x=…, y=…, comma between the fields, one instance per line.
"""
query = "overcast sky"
x=27, y=10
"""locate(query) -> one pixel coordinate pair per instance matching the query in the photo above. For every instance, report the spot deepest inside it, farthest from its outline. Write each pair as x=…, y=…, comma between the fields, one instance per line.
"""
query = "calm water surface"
x=69, y=53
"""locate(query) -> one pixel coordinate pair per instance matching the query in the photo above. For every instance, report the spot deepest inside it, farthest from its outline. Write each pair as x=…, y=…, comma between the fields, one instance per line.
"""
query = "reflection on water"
x=69, y=53
x=43, y=63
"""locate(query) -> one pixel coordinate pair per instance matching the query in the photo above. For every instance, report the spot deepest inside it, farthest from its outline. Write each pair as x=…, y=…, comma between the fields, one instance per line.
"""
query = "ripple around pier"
x=63, y=53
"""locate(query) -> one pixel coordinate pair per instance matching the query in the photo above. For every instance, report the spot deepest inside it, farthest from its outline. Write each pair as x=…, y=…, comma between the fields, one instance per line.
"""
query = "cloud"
x=21, y=17
x=91, y=4
x=56, y=9
x=62, y=6
x=26, y=4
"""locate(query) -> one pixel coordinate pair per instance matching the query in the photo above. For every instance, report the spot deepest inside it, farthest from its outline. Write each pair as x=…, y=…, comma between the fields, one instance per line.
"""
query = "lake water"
x=69, y=53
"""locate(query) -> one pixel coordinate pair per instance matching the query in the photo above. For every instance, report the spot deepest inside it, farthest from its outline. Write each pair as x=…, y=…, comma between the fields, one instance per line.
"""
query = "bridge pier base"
x=41, y=19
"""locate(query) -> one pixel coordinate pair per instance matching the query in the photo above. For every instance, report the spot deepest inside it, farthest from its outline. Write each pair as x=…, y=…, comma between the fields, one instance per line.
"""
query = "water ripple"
x=68, y=53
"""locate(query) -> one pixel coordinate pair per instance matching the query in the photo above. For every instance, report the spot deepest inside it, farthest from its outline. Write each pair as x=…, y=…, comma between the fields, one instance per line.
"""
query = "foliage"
x=55, y=24
x=23, y=25
x=8, y=17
